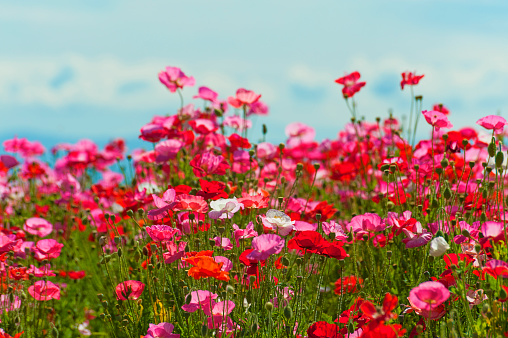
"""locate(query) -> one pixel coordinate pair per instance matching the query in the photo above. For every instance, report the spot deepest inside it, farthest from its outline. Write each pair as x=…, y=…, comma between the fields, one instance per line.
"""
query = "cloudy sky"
x=88, y=69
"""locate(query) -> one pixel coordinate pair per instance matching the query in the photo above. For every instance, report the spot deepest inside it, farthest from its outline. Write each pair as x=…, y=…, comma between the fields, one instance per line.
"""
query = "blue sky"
x=88, y=69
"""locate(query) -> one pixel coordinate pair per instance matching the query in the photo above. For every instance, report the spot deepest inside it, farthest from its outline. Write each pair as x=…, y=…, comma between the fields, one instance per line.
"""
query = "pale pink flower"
x=173, y=78
x=248, y=232
x=493, y=122
x=243, y=97
x=278, y=221
x=38, y=226
x=227, y=265
x=175, y=252
x=224, y=208
x=218, y=311
x=237, y=122
x=206, y=94
x=167, y=150
x=163, y=205
x=199, y=300
x=264, y=246
x=223, y=242
x=266, y=151
x=437, y=119
x=258, y=108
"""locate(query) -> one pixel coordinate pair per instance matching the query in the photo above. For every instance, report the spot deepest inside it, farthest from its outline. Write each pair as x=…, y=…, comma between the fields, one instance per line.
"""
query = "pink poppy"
x=7, y=243
x=42, y=290
x=47, y=249
x=173, y=78
x=206, y=94
x=266, y=151
x=208, y=164
x=300, y=131
x=429, y=295
x=363, y=224
x=129, y=289
x=237, y=122
x=175, y=252
x=162, y=330
x=258, y=108
x=248, y=232
x=163, y=205
x=43, y=271
x=199, y=300
x=243, y=97
x=351, y=84
x=24, y=147
x=436, y=119
x=222, y=242
x=38, y=226
x=410, y=79
x=191, y=203
x=218, y=311
x=167, y=150
x=264, y=246
x=161, y=233
x=492, y=122
x=492, y=229
x=227, y=265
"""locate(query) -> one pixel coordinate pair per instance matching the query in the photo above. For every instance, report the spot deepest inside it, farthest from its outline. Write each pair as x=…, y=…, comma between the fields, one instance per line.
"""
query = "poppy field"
x=208, y=232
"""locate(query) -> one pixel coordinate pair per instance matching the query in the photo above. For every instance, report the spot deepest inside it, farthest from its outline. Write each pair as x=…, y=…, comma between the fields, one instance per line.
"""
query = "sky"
x=88, y=68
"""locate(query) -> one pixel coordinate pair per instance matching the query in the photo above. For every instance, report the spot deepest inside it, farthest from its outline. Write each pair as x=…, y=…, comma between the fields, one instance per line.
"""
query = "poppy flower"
x=44, y=290
x=243, y=97
x=410, y=79
x=429, y=295
x=351, y=84
x=173, y=78
x=204, y=267
x=130, y=289
x=492, y=122
x=162, y=330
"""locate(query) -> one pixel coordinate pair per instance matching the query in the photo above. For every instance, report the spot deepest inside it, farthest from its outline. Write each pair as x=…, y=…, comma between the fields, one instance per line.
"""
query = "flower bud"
x=499, y=159
x=288, y=312
x=438, y=247
x=269, y=306
x=492, y=148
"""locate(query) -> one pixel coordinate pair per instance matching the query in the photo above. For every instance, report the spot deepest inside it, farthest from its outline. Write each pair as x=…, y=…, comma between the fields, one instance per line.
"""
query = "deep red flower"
x=348, y=284
x=324, y=330
x=239, y=142
x=212, y=190
x=76, y=274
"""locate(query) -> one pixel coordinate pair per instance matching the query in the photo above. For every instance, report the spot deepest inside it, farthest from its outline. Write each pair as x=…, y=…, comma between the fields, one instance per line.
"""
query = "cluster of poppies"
x=210, y=234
